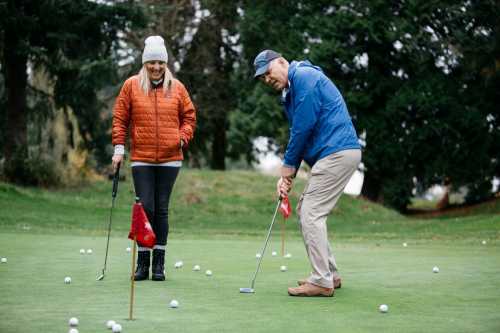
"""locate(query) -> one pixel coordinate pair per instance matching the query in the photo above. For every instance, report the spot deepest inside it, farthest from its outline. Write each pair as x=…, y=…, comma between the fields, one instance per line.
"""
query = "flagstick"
x=283, y=238
x=132, y=284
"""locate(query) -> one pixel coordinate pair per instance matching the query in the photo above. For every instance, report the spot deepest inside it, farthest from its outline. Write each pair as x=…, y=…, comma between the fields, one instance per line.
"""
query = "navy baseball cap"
x=262, y=60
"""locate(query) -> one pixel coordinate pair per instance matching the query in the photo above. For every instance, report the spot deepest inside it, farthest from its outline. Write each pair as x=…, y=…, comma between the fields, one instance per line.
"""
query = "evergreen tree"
x=73, y=41
x=420, y=80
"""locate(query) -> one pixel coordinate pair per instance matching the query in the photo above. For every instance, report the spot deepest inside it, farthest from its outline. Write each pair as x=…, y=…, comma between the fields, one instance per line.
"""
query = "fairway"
x=463, y=297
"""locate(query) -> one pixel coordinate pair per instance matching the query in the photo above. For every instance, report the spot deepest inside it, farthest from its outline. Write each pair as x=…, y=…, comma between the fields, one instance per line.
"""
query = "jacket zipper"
x=157, y=135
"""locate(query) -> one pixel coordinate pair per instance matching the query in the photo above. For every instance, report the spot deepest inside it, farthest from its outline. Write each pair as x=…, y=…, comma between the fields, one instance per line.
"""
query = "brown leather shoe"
x=337, y=283
x=310, y=290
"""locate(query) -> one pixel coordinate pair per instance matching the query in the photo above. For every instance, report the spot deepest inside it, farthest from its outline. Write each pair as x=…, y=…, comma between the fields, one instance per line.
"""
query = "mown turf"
x=212, y=203
x=219, y=220
x=463, y=297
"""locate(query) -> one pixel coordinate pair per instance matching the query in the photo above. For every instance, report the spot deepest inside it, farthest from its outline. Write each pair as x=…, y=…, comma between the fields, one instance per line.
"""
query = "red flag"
x=140, y=228
x=285, y=208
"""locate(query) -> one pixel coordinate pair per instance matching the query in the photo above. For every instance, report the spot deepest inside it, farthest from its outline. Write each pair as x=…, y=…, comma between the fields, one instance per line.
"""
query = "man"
x=321, y=134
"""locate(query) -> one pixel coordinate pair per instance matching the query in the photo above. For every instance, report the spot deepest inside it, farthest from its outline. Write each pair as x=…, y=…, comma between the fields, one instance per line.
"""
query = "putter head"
x=100, y=277
x=247, y=290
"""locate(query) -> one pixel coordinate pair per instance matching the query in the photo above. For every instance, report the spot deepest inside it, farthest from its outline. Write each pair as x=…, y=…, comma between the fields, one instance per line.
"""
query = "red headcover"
x=285, y=208
x=140, y=228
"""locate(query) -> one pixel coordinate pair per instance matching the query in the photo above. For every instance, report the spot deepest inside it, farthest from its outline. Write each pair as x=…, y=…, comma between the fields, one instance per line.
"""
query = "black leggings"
x=153, y=185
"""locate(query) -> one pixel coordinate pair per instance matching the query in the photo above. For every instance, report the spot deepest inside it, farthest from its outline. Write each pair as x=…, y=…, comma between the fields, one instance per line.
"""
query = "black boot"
x=158, y=270
x=142, y=271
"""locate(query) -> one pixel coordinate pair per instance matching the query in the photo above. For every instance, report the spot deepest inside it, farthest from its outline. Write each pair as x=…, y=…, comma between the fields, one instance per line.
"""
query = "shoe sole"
x=300, y=282
x=158, y=278
x=304, y=295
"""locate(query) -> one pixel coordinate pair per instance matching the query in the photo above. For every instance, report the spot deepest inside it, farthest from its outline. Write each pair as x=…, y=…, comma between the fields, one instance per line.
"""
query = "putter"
x=116, y=177
x=251, y=290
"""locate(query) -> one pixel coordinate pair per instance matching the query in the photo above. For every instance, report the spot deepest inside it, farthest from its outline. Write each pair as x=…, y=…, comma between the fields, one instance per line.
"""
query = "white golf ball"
x=89, y=251
x=383, y=308
x=67, y=280
x=82, y=251
x=288, y=255
x=73, y=330
x=179, y=264
x=116, y=328
x=258, y=255
x=73, y=322
x=435, y=269
x=196, y=268
x=405, y=245
x=274, y=253
x=3, y=260
x=174, y=304
x=128, y=249
x=110, y=323
x=208, y=272
x=483, y=242
x=283, y=268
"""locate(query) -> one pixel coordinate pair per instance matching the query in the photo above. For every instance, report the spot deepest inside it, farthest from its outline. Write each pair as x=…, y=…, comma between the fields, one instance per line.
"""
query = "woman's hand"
x=116, y=160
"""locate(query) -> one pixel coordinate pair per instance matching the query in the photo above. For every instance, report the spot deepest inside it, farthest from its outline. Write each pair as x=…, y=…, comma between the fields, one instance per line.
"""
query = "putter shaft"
x=116, y=177
x=265, y=244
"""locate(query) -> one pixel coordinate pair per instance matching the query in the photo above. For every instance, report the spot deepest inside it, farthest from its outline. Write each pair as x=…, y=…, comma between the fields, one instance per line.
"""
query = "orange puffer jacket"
x=155, y=123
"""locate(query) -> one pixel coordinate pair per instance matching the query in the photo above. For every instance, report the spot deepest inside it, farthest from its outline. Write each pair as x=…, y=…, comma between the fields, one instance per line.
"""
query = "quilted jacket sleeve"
x=121, y=115
x=187, y=115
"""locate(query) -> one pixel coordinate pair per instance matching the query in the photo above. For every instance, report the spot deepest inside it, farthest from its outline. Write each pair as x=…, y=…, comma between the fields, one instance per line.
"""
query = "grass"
x=208, y=203
x=219, y=221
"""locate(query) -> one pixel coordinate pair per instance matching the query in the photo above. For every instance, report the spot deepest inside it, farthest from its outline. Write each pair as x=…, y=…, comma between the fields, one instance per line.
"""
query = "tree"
x=73, y=41
x=419, y=79
x=208, y=67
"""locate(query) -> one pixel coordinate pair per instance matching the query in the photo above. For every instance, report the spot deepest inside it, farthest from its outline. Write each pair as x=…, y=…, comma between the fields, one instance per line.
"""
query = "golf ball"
x=257, y=255
x=196, y=268
x=208, y=272
x=483, y=242
x=128, y=249
x=82, y=251
x=3, y=260
x=383, y=308
x=116, y=328
x=73, y=322
x=274, y=253
x=179, y=264
x=89, y=251
x=405, y=245
x=67, y=280
x=283, y=268
x=435, y=269
x=110, y=323
x=288, y=255
x=73, y=330
x=174, y=304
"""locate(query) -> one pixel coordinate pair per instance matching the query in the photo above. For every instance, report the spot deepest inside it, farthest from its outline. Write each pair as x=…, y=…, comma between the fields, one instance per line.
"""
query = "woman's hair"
x=145, y=83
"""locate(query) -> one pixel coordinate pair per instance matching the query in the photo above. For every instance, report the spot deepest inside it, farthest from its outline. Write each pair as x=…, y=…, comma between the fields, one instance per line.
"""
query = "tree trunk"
x=16, y=127
x=218, y=160
x=372, y=188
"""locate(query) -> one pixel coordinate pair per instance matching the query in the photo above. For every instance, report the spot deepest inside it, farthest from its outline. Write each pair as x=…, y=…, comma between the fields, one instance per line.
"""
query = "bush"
x=32, y=171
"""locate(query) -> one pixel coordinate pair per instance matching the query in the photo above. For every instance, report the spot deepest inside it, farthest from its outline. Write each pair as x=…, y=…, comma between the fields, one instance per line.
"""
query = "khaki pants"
x=329, y=177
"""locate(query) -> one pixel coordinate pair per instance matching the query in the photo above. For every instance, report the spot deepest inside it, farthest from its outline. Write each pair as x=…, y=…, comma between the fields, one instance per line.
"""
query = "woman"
x=155, y=110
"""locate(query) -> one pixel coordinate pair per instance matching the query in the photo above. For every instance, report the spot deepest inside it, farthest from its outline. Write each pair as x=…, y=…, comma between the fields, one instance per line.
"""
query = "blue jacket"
x=319, y=122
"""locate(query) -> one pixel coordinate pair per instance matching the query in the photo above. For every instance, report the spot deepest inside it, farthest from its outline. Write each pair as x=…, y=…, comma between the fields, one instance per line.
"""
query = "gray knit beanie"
x=154, y=49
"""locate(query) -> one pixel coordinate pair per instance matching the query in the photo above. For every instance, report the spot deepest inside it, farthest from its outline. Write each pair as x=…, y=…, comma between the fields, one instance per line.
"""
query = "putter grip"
x=116, y=177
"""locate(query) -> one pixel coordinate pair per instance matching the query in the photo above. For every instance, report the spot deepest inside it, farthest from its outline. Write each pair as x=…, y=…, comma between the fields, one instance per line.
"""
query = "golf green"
x=463, y=297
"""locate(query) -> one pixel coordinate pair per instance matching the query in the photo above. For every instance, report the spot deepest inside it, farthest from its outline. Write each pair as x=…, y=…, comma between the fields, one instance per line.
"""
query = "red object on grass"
x=140, y=228
x=285, y=208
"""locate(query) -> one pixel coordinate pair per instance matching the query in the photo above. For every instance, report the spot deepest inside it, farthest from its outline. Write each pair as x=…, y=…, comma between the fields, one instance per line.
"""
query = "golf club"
x=116, y=177
x=251, y=290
